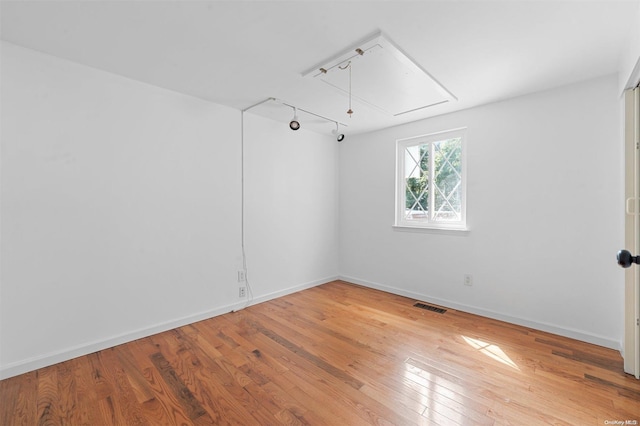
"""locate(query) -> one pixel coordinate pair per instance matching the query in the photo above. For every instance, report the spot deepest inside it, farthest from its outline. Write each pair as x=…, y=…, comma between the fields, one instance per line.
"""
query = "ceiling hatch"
x=379, y=74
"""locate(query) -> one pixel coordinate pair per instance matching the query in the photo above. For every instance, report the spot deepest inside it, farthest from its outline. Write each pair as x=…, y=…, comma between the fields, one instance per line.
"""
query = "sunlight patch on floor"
x=492, y=351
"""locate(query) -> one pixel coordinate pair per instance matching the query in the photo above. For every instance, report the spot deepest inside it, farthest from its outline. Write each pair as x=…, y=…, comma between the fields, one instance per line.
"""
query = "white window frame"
x=400, y=199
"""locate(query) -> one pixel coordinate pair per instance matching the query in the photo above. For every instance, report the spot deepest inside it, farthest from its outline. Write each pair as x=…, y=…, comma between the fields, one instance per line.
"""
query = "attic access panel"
x=383, y=77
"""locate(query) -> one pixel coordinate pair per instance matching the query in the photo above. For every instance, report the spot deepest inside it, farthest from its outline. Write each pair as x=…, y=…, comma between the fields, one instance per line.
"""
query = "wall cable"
x=245, y=267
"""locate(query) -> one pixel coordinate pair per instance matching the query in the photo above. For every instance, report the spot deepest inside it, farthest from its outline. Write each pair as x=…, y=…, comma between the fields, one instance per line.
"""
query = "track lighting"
x=339, y=136
x=294, y=124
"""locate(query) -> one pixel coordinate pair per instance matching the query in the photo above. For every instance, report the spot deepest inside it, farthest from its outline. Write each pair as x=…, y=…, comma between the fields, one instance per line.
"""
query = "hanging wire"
x=350, y=110
x=344, y=68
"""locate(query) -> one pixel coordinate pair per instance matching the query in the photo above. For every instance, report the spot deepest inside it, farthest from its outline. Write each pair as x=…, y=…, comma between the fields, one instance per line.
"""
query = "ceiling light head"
x=339, y=136
x=294, y=124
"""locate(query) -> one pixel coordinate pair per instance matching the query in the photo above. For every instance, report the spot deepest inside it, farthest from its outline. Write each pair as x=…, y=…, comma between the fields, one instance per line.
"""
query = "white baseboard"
x=31, y=364
x=289, y=290
x=46, y=360
x=34, y=363
x=549, y=328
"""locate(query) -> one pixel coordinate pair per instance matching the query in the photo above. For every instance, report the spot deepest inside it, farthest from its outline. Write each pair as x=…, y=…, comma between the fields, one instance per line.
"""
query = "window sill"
x=459, y=232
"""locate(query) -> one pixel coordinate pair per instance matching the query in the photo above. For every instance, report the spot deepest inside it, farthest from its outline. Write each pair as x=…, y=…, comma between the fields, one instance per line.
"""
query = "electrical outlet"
x=468, y=280
x=242, y=292
x=242, y=276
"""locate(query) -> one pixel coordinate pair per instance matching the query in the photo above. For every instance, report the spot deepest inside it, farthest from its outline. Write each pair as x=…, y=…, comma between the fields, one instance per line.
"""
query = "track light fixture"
x=339, y=136
x=294, y=124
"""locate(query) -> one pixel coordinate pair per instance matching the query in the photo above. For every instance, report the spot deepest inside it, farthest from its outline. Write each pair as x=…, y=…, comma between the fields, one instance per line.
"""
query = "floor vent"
x=430, y=308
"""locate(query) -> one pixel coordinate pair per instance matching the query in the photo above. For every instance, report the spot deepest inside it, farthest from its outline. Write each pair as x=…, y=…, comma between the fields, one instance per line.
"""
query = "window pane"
x=447, y=180
x=416, y=182
x=430, y=186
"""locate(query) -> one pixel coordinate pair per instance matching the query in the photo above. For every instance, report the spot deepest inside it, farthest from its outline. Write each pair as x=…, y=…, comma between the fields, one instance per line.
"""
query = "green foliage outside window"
x=446, y=175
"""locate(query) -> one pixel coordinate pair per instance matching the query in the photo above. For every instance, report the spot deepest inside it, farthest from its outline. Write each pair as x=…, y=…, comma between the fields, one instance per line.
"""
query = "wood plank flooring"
x=336, y=354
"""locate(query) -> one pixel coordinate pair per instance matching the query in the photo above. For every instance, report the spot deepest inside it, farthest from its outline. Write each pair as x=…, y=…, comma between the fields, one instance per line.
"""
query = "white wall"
x=121, y=210
x=630, y=59
x=545, y=214
x=291, y=204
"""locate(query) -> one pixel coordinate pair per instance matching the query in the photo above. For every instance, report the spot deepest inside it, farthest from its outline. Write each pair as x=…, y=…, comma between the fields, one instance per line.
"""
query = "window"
x=431, y=181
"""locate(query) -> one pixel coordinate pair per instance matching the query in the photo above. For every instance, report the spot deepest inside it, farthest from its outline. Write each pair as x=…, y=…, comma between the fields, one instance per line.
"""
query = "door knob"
x=625, y=259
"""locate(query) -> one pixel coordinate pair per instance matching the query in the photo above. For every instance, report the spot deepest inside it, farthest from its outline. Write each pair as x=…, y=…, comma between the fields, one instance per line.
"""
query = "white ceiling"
x=238, y=53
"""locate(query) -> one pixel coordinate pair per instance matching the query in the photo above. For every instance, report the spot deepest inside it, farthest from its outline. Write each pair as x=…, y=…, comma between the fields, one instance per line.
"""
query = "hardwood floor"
x=337, y=354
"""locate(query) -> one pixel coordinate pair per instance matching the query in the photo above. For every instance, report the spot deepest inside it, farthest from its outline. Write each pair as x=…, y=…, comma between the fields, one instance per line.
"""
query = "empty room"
x=320, y=212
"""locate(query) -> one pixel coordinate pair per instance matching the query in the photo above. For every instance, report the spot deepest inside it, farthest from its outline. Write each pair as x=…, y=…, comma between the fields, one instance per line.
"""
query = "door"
x=632, y=232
